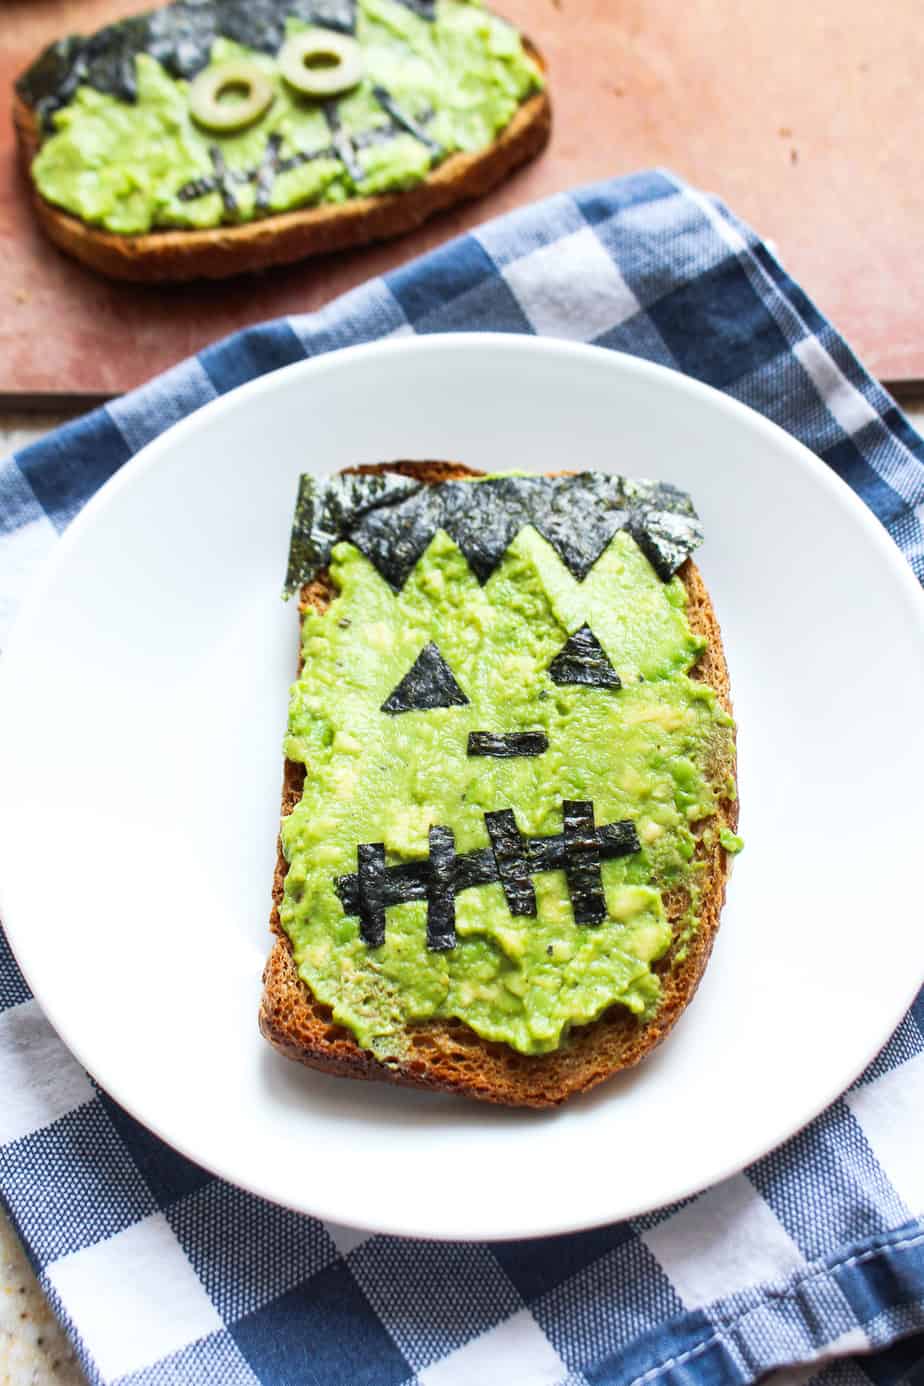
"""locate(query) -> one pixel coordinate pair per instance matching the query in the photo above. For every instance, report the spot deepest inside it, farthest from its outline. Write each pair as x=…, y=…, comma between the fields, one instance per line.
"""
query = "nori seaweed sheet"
x=370, y=890
x=582, y=862
x=427, y=684
x=582, y=659
x=578, y=515
x=441, y=897
x=510, y=859
x=342, y=143
x=370, y=880
x=507, y=745
x=179, y=35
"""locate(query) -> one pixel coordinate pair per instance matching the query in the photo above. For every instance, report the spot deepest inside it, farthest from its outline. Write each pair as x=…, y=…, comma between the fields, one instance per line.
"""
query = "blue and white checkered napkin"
x=162, y=1273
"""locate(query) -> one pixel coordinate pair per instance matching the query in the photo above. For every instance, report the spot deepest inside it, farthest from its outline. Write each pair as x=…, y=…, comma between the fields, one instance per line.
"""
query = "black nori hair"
x=392, y=519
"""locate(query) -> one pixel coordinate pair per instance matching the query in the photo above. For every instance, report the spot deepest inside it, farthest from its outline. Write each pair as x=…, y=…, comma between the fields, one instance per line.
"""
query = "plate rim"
x=134, y=469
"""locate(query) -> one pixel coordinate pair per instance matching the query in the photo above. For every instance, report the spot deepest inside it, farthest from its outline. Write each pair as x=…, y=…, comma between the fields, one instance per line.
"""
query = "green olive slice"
x=252, y=88
x=321, y=63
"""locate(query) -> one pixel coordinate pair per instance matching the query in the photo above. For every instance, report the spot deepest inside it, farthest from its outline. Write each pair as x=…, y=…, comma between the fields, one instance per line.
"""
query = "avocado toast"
x=212, y=137
x=551, y=776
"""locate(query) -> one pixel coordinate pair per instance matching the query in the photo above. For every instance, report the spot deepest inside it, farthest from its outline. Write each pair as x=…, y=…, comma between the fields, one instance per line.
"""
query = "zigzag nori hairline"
x=392, y=518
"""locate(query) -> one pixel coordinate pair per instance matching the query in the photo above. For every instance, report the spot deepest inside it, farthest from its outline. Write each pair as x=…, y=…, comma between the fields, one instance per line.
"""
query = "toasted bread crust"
x=448, y=1055
x=175, y=255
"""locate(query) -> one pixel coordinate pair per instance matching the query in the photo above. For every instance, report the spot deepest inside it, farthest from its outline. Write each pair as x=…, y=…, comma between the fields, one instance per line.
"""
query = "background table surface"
x=803, y=117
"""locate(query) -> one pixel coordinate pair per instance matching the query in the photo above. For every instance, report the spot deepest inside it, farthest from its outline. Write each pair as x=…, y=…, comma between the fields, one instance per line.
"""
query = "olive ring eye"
x=320, y=63
x=252, y=87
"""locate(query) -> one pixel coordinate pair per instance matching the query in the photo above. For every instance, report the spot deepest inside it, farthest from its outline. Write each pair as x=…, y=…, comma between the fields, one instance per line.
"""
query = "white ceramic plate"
x=143, y=706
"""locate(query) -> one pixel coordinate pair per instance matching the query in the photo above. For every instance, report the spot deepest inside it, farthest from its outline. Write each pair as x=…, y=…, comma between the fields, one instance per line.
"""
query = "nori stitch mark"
x=510, y=859
x=441, y=898
x=266, y=173
x=370, y=883
x=388, y=103
x=391, y=519
x=342, y=143
x=582, y=862
x=582, y=659
x=506, y=745
x=382, y=886
x=223, y=179
x=427, y=684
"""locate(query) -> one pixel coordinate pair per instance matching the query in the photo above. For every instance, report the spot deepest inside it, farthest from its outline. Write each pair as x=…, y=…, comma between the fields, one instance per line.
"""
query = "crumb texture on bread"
x=447, y=1054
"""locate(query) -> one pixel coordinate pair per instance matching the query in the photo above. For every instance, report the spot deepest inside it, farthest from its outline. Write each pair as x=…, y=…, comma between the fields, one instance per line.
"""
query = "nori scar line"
x=510, y=860
x=391, y=519
x=180, y=36
x=399, y=117
x=429, y=683
x=579, y=850
x=582, y=659
x=507, y=745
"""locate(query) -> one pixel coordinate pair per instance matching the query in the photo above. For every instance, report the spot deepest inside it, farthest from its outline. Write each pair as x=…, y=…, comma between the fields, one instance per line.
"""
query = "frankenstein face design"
x=505, y=754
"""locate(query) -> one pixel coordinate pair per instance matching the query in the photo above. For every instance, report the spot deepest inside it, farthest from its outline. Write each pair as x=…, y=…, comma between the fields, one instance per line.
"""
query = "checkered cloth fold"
x=162, y=1273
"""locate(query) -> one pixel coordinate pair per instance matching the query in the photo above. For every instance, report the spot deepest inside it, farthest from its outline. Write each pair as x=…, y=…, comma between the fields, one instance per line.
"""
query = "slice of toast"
x=446, y=1054
x=175, y=256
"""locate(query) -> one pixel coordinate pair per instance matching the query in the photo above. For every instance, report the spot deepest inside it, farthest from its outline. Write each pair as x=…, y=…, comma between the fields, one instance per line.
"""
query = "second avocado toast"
x=509, y=794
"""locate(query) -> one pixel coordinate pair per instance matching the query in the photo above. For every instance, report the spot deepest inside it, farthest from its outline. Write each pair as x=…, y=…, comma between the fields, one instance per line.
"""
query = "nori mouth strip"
x=224, y=180
x=507, y=745
x=582, y=862
x=342, y=142
x=266, y=173
x=441, y=897
x=429, y=683
x=179, y=36
x=392, y=519
x=510, y=859
x=582, y=659
x=371, y=890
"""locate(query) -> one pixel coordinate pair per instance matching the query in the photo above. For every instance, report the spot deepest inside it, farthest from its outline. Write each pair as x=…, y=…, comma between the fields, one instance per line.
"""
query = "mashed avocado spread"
x=134, y=166
x=658, y=750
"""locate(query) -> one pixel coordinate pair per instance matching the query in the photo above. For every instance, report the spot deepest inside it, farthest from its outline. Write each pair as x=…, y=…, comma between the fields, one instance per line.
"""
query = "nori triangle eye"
x=427, y=684
x=582, y=659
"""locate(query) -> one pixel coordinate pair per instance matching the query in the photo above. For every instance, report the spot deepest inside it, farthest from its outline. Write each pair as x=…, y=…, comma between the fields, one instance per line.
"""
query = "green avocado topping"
x=130, y=167
x=656, y=750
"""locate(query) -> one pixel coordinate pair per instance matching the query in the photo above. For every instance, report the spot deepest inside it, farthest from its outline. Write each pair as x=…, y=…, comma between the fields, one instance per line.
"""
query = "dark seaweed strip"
x=329, y=14
x=582, y=862
x=387, y=102
x=223, y=180
x=578, y=515
x=441, y=899
x=510, y=859
x=426, y=9
x=342, y=143
x=582, y=659
x=370, y=857
x=618, y=839
x=506, y=745
x=429, y=683
x=266, y=173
